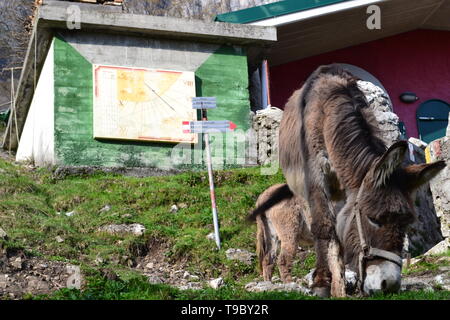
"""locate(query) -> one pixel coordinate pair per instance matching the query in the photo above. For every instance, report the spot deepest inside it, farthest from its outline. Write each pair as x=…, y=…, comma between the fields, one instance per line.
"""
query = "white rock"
x=106, y=208
x=71, y=213
x=3, y=234
x=74, y=280
x=174, y=209
x=264, y=286
x=441, y=247
x=149, y=265
x=137, y=229
x=59, y=239
x=211, y=236
x=216, y=283
x=241, y=255
x=17, y=263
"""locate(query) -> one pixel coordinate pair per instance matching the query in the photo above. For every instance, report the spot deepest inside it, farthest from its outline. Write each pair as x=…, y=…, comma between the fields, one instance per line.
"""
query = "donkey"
x=330, y=150
x=280, y=226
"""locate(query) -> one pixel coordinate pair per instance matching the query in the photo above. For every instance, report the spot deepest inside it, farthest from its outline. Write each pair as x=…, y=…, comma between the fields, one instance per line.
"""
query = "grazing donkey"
x=280, y=226
x=330, y=150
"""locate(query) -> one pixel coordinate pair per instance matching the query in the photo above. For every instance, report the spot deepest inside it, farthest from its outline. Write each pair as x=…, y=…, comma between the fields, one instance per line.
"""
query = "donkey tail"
x=277, y=196
x=261, y=245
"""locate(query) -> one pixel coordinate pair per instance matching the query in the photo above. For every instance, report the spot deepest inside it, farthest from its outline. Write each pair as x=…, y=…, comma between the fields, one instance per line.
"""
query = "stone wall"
x=440, y=186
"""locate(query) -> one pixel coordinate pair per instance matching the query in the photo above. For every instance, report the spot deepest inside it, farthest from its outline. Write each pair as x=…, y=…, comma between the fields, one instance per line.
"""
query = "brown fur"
x=329, y=144
x=280, y=226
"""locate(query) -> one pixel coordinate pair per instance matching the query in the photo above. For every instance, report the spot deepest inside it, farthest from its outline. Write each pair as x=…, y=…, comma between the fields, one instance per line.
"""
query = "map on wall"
x=143, y=104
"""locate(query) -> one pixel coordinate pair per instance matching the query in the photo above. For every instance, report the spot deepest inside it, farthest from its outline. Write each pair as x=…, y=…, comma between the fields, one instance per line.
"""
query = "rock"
x=99, y=261
x=241, y=255
x=351, y=281
x=419, y=143
x=3, y=234
x=17, y=263
x=106, y=208
x=71, y=213
x=59, y=239
x=380, y=103
x=415, y=284
x=75, y=278
x=309, y=278
x=216, y=283
x=211, y=236
x=135, y=228
x=174, y=209
x=440, y=248
x=186, y=275
x=126, y=216
x=37, y=286
x=149, y=265
x=440, y=185
x=182, y=205
x=266, y=124
x=191, y=286
x=264, y=286
x=3, y=281
x=154, y=279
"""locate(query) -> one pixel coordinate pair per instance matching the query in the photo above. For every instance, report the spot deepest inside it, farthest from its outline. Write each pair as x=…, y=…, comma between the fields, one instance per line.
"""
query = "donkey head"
x=386, y=208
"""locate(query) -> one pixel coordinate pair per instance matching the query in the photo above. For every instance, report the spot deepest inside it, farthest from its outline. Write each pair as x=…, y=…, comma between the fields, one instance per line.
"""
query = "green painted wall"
x=223, y=75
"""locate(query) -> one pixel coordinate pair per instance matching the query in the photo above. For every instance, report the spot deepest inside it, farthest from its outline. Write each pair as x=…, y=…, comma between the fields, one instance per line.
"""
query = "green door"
x=432, y=119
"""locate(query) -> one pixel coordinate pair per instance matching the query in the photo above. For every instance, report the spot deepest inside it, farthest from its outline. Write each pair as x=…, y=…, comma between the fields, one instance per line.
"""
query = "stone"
x=59, y=239
x=191, y=286
x=440, y=186
x=174, y=209
x=441, y=247
x=149, y=265
x=241, y=255
x=135, y=228
x=417, y=142
x=36, y=285
x=266, y=124
x=264, y=286
x=75, y=279
x=17, y=263
x=106, y=208
x=211, y=236
x=154, y=279
x=3, y=234
x=71, y=213
x=216, y=283
x=182, y=205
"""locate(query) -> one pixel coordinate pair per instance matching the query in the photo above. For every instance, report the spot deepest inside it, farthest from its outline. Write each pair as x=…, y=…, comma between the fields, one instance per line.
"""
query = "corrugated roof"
x=272, y=10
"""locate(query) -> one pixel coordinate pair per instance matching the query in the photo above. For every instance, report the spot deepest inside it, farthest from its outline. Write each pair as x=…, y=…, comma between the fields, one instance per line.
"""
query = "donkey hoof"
x=322, y=292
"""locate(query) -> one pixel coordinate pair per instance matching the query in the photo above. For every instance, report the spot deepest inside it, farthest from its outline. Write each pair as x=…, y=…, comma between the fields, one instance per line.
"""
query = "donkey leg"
x=269, y=262
x=285, y=261
x=337, y=268
x=328, y=263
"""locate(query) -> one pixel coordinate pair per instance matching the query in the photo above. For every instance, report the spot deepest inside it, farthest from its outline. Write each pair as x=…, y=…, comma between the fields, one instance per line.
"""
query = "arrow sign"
x=204, y=103
x=208, y=126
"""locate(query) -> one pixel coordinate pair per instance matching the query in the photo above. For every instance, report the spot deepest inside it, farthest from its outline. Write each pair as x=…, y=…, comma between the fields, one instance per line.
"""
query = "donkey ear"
x=419, y=174
x=390, y=161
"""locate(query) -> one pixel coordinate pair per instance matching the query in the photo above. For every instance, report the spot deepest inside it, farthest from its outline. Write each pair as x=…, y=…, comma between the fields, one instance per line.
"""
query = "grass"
x=33, y=207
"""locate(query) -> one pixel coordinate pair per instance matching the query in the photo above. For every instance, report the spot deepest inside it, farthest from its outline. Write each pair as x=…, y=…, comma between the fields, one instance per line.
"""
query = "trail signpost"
x=206, y=127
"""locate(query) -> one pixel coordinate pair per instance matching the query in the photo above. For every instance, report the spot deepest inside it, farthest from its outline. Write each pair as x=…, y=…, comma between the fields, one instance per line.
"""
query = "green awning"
x=272, y=10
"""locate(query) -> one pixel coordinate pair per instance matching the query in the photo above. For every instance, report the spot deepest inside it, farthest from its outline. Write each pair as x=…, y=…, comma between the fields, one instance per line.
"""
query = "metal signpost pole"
x=211, y=184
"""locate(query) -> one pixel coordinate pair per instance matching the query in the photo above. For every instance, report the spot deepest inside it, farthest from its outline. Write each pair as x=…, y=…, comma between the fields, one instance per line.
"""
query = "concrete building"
x=67, y=94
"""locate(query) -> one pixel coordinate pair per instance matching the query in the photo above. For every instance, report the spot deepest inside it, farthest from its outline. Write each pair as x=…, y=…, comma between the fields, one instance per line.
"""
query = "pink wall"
x=416, y=61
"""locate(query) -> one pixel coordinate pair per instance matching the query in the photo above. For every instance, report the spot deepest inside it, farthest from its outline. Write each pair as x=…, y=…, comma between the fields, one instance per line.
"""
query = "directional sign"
x=208, y=126
x=204, y=103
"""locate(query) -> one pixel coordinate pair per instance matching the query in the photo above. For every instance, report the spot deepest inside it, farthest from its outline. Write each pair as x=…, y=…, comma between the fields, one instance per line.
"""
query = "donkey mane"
x=351, y=130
